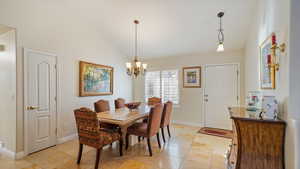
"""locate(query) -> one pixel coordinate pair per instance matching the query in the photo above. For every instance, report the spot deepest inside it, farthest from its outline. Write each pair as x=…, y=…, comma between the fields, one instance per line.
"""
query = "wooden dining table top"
x=124, y=116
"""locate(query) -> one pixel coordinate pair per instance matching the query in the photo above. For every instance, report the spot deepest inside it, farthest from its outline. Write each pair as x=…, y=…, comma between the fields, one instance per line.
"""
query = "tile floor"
x=184, y=150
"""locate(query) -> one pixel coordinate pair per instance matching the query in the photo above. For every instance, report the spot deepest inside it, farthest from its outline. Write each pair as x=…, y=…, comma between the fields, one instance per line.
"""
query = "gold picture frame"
x=267, y=73
x=95, y=79
x=191, y=77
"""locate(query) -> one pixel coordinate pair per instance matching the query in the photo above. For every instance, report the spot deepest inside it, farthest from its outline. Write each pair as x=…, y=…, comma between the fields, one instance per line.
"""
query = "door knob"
x=32, y=107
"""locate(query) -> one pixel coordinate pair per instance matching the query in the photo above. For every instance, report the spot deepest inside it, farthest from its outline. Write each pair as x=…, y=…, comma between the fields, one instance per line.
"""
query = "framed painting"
x=95, y=79
x=267, y=74
x=192, y=77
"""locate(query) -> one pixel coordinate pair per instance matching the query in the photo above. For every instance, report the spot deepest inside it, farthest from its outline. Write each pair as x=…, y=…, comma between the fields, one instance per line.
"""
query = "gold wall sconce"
x=2, y=48
x=273, y=59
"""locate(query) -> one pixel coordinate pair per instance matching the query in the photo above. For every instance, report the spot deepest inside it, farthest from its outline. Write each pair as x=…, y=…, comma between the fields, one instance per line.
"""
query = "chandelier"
x=221, y=34
x=136, y=67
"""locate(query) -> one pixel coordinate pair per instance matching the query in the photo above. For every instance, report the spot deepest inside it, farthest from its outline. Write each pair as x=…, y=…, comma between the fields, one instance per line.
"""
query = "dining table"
x=124, y=117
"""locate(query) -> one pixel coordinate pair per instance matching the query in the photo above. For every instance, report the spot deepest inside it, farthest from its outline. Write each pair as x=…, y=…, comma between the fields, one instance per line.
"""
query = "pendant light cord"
x=221, y=34
x=136, y=38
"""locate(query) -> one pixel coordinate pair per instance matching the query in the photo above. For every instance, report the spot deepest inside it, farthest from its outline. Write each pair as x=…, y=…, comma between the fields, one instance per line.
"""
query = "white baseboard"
x=20, y=155
x=67, y=138
x=188, y=123
x=11, y=154
x=7, y=152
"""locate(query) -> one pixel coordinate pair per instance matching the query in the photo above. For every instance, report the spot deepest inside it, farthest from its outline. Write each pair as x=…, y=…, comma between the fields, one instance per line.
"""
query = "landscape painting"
x=95, y=79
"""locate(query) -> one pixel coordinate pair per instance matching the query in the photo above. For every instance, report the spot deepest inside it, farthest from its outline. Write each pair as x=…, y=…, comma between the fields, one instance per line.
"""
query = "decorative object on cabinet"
x=254, y=100
x=192, y=77
x=270, y=107
x=267, y=73
x=95, y=79
x=257, y=143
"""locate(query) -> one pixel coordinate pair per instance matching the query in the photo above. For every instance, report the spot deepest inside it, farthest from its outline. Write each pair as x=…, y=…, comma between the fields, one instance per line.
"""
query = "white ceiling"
x=174, y=27
x=168, y=27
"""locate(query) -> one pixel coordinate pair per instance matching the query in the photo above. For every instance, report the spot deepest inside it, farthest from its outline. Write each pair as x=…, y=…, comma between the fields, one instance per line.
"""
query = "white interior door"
x=40, y=69
x=221, y=91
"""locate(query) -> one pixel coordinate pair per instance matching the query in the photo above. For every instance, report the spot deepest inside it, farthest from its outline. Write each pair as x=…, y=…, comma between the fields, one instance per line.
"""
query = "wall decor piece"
x=192, y=77
x=267, y=73
x=95, y=79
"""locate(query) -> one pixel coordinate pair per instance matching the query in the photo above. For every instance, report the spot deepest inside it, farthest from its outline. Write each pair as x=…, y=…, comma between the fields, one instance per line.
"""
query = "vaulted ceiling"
x=168, y=27
x=174, y=27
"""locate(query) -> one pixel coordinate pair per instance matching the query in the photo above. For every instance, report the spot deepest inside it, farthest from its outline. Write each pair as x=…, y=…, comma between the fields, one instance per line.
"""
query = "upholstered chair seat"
x=139, y=129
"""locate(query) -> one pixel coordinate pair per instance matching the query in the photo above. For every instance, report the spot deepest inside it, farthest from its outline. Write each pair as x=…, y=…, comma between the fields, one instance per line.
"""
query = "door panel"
x=221, y=91
x=41, y=100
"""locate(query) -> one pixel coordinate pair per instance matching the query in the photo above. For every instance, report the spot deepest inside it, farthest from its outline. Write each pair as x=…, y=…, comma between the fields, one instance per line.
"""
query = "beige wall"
x=189, y=110
x=272, y=16
x=8, y=90
x=52, y=27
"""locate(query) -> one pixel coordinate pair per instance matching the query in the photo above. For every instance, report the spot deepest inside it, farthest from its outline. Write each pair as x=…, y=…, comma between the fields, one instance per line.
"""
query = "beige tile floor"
x=186, y=149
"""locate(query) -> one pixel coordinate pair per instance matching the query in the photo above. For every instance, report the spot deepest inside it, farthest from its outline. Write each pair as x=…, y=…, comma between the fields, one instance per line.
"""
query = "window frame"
x=161, y=85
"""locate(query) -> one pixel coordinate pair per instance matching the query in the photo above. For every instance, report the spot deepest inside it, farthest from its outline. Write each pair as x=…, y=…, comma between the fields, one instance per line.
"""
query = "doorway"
x=40, y=98
x=221, y=89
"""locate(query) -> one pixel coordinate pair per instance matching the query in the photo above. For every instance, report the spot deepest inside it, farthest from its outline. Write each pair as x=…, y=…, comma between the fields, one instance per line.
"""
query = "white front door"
x=221, y=90
x=40, y=97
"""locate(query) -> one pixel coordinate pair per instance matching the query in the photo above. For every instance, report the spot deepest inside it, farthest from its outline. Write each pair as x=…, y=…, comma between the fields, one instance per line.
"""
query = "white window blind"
x=163, y=84
x=152, y=84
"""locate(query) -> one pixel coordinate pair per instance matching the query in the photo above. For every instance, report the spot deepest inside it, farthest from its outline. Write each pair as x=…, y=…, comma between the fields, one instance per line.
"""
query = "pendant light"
x=221, y=34
x=136, y=67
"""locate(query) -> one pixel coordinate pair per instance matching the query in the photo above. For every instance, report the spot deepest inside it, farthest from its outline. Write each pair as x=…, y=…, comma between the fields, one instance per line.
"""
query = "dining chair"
x=154, y=100
x=102, y=106
x=166, y=119
x=149, y=129
x=90, y=133
x=119, y=103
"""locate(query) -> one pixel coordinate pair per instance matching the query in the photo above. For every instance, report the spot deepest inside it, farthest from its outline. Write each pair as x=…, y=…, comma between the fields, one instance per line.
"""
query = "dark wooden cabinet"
x=257, y=143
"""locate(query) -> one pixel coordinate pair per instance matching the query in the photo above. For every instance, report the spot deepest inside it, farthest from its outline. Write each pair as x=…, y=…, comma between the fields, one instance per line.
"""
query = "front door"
x=40, y=69
x=221, y=91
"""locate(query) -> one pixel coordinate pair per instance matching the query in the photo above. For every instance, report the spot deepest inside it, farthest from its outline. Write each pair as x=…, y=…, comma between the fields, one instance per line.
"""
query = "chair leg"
x=158, y=139
x=149, y=146
x=163, y=134
x=121, y=147
x=79, y=153
x=97, y=158
x=127, y=141
x=169, y=130
x=139, y=138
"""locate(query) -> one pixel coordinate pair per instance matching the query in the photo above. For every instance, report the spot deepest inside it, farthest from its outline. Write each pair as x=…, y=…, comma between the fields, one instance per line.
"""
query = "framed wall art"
x=95, y=79
x=267, y=74
x=192, y=77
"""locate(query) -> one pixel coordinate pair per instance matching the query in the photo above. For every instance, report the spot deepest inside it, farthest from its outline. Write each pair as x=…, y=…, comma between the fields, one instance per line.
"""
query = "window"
x=163, y=84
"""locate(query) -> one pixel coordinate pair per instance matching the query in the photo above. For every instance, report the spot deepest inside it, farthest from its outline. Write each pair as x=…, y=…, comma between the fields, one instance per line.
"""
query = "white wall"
x=190, y=107
x=8, y=90
x=272, y=16
x=53, y=27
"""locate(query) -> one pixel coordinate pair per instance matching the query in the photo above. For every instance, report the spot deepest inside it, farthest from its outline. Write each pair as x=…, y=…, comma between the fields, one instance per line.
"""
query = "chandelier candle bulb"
x=144, y=66
x=128, y=65
x=138, y=64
